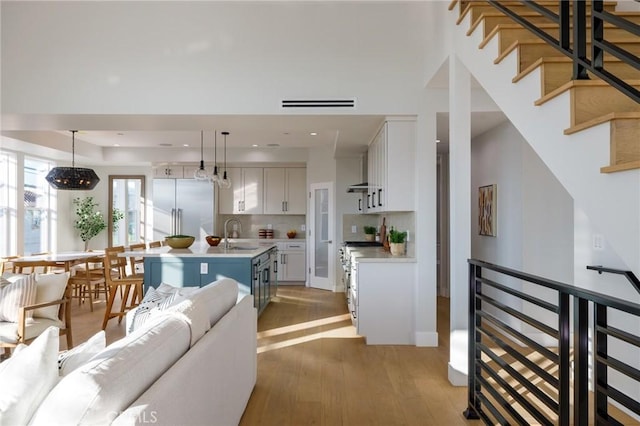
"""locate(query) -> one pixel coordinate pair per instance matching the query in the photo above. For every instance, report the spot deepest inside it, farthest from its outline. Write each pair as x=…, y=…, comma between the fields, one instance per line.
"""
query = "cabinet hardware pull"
x=373, y=199
x=368, y=199
x=379, y=197
x=282, y=208
x=359, y=204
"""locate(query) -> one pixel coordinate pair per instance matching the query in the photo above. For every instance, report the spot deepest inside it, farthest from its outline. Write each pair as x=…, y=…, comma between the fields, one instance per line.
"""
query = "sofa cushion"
x=219, y=296
x=81, y=354
x=27, y=377
x=49, y=287
x=98, y=391
x=193, y=311
x=21, y=291
x=152, y=300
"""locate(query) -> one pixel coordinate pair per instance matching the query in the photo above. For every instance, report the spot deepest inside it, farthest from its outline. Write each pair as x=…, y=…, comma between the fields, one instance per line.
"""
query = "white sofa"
x=172, y=370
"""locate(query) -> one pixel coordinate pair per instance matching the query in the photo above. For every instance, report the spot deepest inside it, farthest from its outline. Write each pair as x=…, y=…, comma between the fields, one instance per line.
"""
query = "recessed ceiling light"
x=437, y=140
x=254, y=145
x=185, y=144
x=313, y=134
x=116, y=144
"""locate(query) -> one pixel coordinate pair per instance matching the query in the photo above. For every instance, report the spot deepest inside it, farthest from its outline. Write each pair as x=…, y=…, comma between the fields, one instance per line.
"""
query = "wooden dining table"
x=65, y=259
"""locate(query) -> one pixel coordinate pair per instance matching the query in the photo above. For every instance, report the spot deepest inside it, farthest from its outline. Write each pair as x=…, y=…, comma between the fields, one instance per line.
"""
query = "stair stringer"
x=611, y=201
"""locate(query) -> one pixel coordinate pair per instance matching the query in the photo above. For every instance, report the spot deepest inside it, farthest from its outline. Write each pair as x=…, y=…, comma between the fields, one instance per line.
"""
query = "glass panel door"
x=322, y=224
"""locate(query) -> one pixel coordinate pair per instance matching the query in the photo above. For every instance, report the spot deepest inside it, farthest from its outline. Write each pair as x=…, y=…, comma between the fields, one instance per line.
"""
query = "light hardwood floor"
x=314, y=369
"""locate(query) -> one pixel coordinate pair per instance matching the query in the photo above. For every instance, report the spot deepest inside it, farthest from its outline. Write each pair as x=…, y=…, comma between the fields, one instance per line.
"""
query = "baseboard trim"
x=457, y=378
x=427, y=339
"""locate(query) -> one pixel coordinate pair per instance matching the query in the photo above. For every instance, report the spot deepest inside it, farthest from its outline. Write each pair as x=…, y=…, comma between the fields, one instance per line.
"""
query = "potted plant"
x=397, y=242
x=369, y=233
x=91, y=222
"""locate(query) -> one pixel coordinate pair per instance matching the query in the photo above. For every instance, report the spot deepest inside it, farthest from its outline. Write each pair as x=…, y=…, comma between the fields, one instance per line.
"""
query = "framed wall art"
x=487, y=210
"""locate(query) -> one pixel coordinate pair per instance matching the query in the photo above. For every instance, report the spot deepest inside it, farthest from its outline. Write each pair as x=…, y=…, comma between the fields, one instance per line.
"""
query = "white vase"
x=397, y=249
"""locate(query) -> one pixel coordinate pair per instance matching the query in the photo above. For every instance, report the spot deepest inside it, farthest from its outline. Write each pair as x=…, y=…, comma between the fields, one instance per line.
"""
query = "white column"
x=425, y=290
x=460, y=208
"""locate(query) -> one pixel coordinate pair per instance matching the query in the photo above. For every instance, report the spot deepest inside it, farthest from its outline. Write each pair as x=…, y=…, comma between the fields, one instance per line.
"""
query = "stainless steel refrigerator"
x=182, y=206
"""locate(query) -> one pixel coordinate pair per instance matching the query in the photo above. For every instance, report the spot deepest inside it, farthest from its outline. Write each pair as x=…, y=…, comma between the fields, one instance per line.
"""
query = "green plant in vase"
x=369, y=233
x=90, y=222
x=397, y=242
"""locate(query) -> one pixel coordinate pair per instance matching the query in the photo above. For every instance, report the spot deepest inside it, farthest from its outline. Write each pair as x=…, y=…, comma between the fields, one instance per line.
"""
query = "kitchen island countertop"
x=377, y=254
x=202, y=250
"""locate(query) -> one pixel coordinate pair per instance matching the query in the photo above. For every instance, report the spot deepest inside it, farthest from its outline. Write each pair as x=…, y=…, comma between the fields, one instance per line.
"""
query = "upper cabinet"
x=168, y=172
x=285, y=190
x=391, y=168
x=245, y=194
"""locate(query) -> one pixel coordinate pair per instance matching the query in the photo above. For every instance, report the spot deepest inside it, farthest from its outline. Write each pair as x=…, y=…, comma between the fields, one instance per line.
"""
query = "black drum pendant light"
x=72, y=178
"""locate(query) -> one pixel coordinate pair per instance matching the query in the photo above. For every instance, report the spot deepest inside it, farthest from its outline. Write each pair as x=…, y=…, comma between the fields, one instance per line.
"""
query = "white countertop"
x=377, y=254
x=202, y=250
x=267, y=240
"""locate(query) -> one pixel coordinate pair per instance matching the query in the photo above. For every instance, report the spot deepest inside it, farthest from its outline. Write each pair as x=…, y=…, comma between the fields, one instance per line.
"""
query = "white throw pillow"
x=151, y=300
x=219, y=297
x=21, y=291
x=49, y=287
x=81, y=354
x=97, y=392
x=27, y=377
x=180, y=292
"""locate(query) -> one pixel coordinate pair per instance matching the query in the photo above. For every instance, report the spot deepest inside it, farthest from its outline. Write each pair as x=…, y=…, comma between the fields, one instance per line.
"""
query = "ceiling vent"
x=318, y=103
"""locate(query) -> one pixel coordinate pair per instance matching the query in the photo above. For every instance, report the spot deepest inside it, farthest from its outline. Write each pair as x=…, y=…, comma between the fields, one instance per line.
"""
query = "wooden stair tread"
x=579, y=84
x=602, y=119
x=631, y=165
x=556, y=60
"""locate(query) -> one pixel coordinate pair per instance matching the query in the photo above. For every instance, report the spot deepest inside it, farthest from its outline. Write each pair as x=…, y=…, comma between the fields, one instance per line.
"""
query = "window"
x=8, y=204
x=39, y=207
x=126, y=193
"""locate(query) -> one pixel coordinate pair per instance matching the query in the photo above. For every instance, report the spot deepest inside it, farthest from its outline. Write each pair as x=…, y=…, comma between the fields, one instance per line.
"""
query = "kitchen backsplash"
x=400, y=221
x=252, y=223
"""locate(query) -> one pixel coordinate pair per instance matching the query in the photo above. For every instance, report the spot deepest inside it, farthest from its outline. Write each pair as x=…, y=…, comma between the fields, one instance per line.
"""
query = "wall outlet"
x=269, y=226
x=303, y=227
x=354, y=229
x=407, y=239
x=204, y=268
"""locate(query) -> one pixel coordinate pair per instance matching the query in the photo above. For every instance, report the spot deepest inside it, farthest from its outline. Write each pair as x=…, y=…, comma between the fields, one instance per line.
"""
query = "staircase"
x=585, y=131
x=593, y=102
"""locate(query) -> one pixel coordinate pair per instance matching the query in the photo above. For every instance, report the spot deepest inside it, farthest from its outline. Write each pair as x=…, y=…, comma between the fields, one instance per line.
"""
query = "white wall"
x=534, y=220
x=209, y=57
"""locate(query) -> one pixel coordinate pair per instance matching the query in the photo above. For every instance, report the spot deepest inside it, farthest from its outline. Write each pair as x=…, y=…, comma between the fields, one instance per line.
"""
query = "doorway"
x=322, y=254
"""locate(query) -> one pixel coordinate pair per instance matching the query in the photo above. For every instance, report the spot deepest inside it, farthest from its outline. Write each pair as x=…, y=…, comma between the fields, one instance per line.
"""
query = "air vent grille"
x=318, y=103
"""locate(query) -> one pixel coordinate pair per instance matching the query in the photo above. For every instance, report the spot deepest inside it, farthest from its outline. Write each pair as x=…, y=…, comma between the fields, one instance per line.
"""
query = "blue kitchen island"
x=253, y=267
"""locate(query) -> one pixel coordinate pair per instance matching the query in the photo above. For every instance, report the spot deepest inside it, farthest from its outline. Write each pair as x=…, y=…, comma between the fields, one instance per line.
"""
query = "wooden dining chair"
x=137, y=262
x=89, y=281
x=40, y=266
x=6, y=264
x=155, y=244
x=116, y=278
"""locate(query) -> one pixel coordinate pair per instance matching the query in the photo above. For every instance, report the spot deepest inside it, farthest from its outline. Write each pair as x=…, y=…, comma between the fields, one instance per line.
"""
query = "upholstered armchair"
x=29, y=304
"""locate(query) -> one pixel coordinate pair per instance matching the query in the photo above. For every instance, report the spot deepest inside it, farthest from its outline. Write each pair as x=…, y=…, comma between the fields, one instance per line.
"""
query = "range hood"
x=359, y=187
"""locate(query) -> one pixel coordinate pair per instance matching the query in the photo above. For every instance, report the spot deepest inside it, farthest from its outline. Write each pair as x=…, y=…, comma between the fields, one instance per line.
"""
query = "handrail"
x=576, y=48
x=507, y=356
x=635, y=282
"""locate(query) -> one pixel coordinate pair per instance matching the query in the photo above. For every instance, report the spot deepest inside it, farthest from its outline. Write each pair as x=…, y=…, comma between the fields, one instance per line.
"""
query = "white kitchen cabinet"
x=245, y=194
x=292, y=261
x=391, y=168
x=168, y=172
x=381, y=302
x=285, y=190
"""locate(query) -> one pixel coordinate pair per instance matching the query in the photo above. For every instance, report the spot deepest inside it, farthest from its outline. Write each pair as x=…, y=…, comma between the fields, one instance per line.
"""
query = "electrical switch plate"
x=303, y=227
x=204, y=268
x=407, y=236
x=354, y=229
x=598, y=243
x=269, y=226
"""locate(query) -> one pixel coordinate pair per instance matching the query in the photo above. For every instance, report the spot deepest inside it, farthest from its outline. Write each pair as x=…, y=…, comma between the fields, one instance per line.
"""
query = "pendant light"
x=225, y=183
x=201, y=173
x=72, y=178
x=215, y=179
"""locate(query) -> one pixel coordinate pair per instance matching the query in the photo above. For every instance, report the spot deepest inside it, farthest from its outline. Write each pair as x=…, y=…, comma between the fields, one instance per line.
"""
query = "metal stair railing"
x=576, y=48
x=529, y=350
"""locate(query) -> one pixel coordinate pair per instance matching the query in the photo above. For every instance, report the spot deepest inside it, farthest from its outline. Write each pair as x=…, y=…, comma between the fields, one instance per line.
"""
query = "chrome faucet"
x=226, y=231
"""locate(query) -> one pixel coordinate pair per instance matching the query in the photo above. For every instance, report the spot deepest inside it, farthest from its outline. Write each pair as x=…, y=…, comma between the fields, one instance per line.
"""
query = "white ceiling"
x=347, y=133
